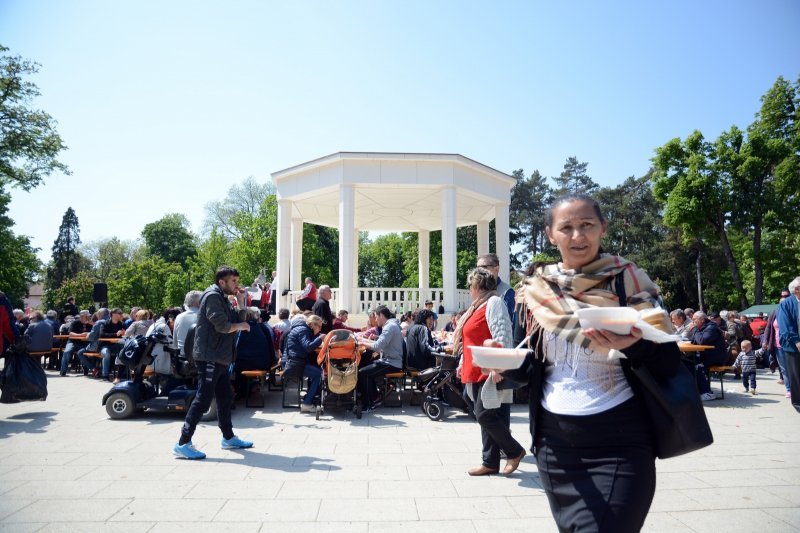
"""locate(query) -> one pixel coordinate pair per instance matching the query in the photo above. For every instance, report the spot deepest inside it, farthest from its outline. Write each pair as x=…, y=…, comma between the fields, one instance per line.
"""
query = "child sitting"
x=746, y=361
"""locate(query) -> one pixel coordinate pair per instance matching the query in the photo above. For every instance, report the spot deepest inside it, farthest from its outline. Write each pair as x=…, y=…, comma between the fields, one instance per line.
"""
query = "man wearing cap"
x=707, y=333
x=78, y=331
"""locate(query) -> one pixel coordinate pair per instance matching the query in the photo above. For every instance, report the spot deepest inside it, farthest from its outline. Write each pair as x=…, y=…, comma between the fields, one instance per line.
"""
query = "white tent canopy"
x=366, y=191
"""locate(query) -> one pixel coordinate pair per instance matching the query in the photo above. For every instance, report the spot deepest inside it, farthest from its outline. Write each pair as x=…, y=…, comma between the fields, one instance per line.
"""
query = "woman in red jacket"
x=487, y=318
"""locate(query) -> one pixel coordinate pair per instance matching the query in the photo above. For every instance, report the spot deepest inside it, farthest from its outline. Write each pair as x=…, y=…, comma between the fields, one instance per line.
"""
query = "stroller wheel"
x=434, y=410
x=357, y=411
x=319, y=411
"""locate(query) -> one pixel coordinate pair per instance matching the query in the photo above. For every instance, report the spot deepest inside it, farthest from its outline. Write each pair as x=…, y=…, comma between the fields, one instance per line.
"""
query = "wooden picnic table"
x=686, y=347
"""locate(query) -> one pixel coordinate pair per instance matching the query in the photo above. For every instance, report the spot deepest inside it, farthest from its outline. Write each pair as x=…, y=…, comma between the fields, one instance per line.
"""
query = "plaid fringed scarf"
x=552, y=295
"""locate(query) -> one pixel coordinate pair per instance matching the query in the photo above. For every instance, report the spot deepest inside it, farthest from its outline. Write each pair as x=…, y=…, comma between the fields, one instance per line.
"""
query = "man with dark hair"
x=390, y=346
x=69, y=308
x=215, y=334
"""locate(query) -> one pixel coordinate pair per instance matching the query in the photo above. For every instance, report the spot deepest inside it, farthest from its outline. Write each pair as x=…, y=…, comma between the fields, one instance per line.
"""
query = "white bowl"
x=618, y=320
x=499, y=358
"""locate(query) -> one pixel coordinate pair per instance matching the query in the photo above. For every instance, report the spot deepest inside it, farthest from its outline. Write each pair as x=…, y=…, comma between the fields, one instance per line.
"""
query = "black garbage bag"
x=22, y=379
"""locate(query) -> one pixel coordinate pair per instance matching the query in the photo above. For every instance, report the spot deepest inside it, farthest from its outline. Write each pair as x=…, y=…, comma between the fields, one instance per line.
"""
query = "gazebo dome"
x=369, y=191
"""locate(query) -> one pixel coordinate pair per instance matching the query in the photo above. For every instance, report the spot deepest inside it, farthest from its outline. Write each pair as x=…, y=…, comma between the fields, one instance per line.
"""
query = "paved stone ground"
x=64, y=466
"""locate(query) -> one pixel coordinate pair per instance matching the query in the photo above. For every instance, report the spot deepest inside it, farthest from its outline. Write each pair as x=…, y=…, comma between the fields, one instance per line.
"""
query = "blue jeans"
x=88, y=363
x=66, y=355
x=749, y=377
x=109, y=354
x=781, y=356
x=314, y=375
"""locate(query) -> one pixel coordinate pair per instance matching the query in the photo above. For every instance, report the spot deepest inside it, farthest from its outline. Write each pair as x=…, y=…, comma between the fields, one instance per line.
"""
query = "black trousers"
x=305, y=304
x=793, y=369
x=366, y=380
x=212, y=382
x=495, y=429
x=598, y=471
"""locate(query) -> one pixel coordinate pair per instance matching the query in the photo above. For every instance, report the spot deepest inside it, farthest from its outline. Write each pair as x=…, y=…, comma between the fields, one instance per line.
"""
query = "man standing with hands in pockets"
x=215, y=334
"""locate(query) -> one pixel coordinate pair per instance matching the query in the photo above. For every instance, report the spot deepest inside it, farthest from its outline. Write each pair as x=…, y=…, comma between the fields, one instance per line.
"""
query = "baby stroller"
x=442, y=388
x=339, y=357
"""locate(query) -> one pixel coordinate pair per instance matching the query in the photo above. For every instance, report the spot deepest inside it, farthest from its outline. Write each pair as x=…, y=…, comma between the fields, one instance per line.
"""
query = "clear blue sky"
x=165, y=105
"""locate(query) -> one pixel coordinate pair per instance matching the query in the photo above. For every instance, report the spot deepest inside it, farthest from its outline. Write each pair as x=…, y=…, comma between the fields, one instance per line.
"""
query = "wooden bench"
x=41, y=354
x=718, y=372
x=254, y=377
x=397, y=380
x=275, y=373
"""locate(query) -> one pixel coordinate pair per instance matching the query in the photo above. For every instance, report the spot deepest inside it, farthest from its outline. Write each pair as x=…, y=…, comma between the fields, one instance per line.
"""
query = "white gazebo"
x=368, y=191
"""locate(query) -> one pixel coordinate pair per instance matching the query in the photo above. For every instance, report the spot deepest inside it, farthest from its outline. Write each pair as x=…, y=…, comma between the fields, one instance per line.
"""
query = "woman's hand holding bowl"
x=610, y=340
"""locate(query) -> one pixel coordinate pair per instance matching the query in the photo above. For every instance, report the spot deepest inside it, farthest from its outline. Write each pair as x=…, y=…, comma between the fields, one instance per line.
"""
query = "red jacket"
x=476, y=330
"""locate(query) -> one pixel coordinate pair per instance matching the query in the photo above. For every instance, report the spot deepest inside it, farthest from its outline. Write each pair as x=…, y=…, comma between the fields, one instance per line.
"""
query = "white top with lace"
x=579, y=381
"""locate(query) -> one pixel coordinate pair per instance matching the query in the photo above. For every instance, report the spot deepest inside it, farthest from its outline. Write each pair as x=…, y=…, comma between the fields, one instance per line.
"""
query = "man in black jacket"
x=217, y=324
x=707, y=332
x=322, y=308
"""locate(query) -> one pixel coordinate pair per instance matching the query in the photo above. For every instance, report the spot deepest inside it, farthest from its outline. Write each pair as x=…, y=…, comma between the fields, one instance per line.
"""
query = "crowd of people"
x=592, y=436
x=740, y=341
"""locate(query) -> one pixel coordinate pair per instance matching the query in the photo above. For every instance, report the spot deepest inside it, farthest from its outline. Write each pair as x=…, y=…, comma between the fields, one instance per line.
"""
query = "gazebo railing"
x=398, y=299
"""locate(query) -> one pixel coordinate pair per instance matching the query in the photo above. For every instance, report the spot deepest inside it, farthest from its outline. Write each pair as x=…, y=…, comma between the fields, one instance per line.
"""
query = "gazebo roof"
x=393, y=191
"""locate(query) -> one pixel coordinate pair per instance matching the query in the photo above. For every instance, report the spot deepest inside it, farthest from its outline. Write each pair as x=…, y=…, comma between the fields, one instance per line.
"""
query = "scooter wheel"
x=434, y=410
x=119, y=405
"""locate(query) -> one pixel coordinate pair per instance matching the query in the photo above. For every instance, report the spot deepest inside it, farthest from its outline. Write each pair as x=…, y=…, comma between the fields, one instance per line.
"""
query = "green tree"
x=574, y=179
x=693, y=183
x=170, y=239
x=245, y=199
x=381, y=262
x=108, y=254
x=256, y=245
x=66, y=260
x=19, y=266
x=321, y=254
x=765, y=171
x=145, y=282
x=29, y=143
x=211, y=254
x=530, y=198
x=80, y=286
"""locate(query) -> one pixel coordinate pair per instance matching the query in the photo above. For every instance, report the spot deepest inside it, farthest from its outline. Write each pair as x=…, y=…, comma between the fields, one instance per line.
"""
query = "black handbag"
x=676, y=412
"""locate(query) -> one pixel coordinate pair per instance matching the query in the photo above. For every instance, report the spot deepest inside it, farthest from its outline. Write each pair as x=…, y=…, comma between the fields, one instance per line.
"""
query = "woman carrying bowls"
x=591, y=433
x=487, y=319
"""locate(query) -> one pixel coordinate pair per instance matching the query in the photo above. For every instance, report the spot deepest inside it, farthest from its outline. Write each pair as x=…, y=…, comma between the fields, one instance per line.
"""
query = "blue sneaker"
x=235, y=442
x=188, y=451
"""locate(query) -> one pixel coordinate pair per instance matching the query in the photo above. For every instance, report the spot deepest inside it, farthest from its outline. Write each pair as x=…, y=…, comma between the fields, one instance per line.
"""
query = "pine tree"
x=574, y=179
x=66, y=260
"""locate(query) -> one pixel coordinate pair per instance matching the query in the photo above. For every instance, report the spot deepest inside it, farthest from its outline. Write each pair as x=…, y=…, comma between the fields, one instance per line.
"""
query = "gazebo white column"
x=449, y=252
x=424, y=269
x=284, y=249
x=483, y=237
x=502, y=244
x=356, y=246
x=347, y=200
x=296, y=279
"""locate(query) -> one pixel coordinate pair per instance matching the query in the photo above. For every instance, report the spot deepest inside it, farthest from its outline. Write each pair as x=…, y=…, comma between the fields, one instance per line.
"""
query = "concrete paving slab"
x=392, y=470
